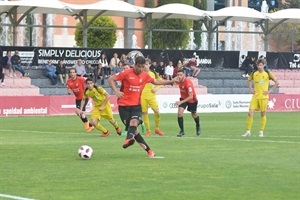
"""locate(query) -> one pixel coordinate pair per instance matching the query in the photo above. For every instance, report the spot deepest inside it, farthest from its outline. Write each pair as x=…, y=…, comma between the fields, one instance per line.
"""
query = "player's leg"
x=180, y=111
x=263, y=118
x=87, y=124
x=144, y=104
x=192, y=107
x=108, y=114
x=96, y=116
x=125, y=117
x=154, y=106
x=253, y=106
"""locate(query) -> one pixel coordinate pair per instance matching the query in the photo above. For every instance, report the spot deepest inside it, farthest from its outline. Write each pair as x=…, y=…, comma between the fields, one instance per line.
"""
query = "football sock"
x=115, y=124
x=157, y=120
x=146, y=122
x=131, y=132
x=263, y=121
x=84, y=119
x=101, y=128
x=197, y=121
x=249, y=122
x=180, y=123
x=142, y=142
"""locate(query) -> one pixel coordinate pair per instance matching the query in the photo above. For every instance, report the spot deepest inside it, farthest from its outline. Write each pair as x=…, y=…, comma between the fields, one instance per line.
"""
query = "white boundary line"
x=262, y=140
x=14, y=197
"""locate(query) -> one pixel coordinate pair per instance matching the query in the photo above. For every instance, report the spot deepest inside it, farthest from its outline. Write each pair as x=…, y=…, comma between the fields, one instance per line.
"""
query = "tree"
x=287, y=35
x=168, y=39
x=96, y=38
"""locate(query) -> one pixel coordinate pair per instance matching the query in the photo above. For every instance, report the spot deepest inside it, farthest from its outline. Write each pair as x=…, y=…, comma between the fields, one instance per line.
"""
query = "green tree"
x=96, y=38
x=169, y=39
x=286, y=36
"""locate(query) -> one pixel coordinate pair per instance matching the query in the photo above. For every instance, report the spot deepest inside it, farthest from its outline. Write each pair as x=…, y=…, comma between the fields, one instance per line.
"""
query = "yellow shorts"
x=106, y=113
x=258, y=104
x=149, y=102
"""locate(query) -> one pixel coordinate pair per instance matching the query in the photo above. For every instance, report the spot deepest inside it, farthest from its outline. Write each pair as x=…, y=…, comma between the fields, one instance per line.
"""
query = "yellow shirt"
x=97, y=95
x=147, y=91
x=261, y=81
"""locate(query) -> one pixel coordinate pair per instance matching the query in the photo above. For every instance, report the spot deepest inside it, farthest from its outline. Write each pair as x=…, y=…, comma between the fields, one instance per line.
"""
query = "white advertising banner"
x=208, y=103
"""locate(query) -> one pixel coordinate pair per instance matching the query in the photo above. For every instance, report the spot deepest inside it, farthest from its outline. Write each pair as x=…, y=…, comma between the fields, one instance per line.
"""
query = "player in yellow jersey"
x=148, y=99
x=102, y=107
x=260, y=97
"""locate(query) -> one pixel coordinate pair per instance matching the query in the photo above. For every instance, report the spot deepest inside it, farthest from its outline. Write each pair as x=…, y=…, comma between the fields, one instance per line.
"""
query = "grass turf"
x=39, y=160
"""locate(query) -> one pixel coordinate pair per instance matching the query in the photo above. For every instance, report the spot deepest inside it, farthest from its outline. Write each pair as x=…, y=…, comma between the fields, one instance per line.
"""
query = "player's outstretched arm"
x=111, y=81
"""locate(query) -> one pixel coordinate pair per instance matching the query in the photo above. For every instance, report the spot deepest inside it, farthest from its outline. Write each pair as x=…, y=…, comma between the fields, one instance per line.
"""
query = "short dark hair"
x=140, y=60
x=180, y=70
x=88, y=79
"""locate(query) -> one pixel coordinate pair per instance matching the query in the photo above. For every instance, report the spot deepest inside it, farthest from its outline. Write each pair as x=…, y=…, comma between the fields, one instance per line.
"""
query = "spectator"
x=161, y=69
x=114, y=61
x=62, y=73
x=16, y=63
x=118, y=68
x=123, y=59
x=129, y=59
x=193, y=65
x=106, y=69
x=50, y=72
x=80, y=68
x=89, y=71
x=6, y=63
x=153, y=66
x=169, y=70
x=248, y=66
x=99, y=74
x=2, y=75
x=178, y=67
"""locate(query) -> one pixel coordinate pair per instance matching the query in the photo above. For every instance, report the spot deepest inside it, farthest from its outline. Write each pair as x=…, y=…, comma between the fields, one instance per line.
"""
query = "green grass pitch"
x=39, y=160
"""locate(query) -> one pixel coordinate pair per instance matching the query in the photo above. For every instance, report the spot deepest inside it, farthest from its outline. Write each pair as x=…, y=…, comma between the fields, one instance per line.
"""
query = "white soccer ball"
x=85, y=152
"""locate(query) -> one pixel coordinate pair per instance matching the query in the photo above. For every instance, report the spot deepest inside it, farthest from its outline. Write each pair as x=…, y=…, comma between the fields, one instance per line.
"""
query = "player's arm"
x=190, y=97
x=111, y=81
x=249, y=82
x=274, y=79
x=165, y=82
x=106, y=100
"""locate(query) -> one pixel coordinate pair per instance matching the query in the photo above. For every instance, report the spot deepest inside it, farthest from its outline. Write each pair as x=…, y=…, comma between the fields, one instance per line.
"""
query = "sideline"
x=14, y=197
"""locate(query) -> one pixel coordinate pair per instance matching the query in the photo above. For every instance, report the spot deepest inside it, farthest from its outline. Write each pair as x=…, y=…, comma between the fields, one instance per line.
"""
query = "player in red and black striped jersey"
x=133, y=81
x=188, y=98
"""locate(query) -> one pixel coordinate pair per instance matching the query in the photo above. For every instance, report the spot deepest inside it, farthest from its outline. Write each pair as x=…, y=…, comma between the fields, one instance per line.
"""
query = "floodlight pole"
x=84, y=31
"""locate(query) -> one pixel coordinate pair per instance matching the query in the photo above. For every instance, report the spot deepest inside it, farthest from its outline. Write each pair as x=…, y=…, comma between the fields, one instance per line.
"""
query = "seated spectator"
x=161, y=69
x=6, y=63
x=123, y=59
x=62, y=72
x=114, y=61
x=2, y=75
x=99, y=74
x=118, y=68
x=50, y=72
x=153, y=66
x=89, y=71
x=106, y=69
x=16, y=63
x=80, y=68
x=169, y=70
x=130, y=60
x=193, y=65
x=178, y=67
x=248, y=66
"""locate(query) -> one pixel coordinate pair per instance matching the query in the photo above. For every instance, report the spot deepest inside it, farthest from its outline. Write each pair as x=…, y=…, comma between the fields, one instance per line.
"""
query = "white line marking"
x=157, y=157
x=14, y=197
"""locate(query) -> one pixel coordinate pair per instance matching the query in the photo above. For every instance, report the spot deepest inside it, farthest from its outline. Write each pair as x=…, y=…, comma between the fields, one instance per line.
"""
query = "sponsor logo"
x=165, y=105
x=296, y=62
x=292, y=103
x=271, y=103
x=173, y=105
x=228, y=104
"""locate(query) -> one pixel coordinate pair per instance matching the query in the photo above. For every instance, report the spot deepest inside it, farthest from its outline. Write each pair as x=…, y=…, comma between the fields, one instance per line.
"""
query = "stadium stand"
x=210, y=80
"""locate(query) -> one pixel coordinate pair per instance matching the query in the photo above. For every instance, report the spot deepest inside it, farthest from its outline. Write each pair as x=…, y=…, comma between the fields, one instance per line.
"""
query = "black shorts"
x=78, y=104
x=191, y=107
x=130, y=112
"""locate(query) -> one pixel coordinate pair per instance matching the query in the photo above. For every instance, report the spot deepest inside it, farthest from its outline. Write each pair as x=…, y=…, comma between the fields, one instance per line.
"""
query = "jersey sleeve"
x=120, y=76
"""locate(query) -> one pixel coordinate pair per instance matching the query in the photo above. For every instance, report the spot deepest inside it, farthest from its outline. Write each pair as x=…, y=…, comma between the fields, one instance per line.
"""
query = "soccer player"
x=76, y=85
x=102, y=107
x=188, y=98
x=260, y=97
x=133, y=81
x=148, y=98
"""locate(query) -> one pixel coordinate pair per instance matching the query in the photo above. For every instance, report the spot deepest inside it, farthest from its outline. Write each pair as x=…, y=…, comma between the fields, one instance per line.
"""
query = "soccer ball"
x=85, y=152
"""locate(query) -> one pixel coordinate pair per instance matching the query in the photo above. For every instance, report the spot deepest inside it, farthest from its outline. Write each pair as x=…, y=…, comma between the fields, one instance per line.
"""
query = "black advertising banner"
x=38, y=56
